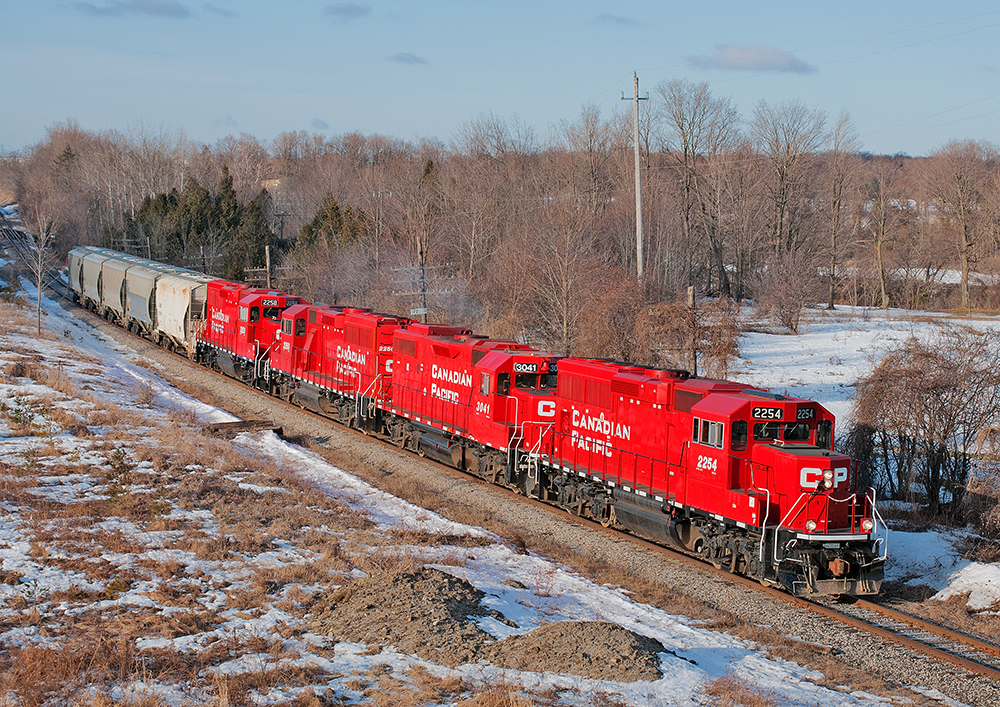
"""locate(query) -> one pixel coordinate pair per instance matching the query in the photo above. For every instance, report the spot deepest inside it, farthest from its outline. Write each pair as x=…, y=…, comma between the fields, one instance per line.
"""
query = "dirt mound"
x=430, y=614
x=423, y=613
x=590, y=649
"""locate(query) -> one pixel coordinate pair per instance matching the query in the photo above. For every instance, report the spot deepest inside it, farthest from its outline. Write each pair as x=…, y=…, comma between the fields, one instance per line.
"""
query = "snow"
x=934, y=560
x=822, y=363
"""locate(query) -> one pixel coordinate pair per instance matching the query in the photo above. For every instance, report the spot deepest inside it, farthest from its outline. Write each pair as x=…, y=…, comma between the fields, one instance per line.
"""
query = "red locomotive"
x=241, y=327
x=742, y=477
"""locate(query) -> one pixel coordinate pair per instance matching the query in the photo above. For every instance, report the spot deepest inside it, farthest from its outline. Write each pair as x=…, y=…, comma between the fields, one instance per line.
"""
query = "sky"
x=913, y=75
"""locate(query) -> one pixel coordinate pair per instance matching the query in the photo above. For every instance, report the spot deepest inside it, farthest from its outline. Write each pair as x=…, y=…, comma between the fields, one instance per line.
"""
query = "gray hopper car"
x=161, y=302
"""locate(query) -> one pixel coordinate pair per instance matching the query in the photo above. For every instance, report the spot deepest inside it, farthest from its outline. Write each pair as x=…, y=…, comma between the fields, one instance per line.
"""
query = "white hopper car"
x=161, y=302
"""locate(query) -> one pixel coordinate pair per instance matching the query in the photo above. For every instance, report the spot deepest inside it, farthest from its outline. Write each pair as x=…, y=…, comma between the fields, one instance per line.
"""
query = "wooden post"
x=267, y=264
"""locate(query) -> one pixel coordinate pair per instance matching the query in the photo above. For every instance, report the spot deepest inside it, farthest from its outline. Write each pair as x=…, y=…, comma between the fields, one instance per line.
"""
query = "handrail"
x=357, y=400
x=763, y=524
x=534, y=453
x=783, y=522
x=518, y=431
x=876, y=516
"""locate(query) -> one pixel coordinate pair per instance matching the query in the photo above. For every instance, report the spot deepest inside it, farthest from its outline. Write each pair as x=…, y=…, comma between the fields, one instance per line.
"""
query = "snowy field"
x=822, y=363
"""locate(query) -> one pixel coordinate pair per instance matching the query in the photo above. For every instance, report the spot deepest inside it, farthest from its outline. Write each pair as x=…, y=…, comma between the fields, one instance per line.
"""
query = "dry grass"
x=733, y=691
x=955, y=613
x=499, y=696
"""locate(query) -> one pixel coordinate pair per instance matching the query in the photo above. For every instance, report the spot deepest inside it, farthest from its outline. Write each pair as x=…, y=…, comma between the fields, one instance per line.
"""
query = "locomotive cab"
x=511, y=387
x=819, y=526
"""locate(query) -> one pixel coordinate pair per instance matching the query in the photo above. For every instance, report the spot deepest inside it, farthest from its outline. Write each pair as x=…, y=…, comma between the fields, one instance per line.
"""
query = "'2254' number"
x=707, y=463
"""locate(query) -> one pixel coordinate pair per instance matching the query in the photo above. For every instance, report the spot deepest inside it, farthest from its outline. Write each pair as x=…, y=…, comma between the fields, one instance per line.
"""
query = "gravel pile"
x=426, y=613
x=431, y=614
x=590, y=649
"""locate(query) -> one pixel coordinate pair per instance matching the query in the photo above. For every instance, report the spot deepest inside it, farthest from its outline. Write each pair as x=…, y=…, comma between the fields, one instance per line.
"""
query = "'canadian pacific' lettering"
x=454, y=377
x=346, y=353
x=600, y=425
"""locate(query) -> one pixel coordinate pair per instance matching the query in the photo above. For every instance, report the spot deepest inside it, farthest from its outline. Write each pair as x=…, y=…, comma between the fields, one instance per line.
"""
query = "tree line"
x=533, y=238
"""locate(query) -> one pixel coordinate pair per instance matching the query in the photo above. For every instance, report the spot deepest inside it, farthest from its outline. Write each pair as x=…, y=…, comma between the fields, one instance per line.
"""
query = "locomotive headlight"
x=828, y=479
x=810, y=525
x=867, y=524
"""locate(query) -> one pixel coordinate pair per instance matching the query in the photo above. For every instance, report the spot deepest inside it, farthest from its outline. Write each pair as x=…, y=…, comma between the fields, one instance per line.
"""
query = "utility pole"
x=638, y=184
x=281, y=224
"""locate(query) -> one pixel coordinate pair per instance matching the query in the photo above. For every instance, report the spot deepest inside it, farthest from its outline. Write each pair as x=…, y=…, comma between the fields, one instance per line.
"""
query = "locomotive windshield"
x=534, y=381
x=787, y=431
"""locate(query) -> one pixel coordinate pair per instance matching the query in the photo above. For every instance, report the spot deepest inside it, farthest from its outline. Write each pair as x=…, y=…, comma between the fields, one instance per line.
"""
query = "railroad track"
x=19, y=243
x=932, y=640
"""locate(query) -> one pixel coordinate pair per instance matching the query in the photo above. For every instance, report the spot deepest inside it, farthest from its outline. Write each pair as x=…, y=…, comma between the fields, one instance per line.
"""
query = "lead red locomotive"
x=744, y=478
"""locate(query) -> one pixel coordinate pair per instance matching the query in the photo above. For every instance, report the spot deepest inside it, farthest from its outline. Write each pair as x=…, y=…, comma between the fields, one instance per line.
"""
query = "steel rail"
x=684, y=558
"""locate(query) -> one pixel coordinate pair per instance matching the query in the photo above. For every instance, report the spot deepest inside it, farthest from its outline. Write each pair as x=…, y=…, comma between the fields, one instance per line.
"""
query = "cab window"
x=708, y=433
x=824, y=434
x=766, y=431
x=547, y=381
x=300, y=327
x=243, y=314
x=526, y=381
x=484, y=383
x=503, y=383
x=255, y=314
x=286, y=327
x=272, y=313
x=797, y=432
x=738, y=436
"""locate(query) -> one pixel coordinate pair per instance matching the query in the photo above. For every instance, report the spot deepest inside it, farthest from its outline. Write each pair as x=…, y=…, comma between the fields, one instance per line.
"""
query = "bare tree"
x=787, y=135
x=922, y=409
x=590, y=143
x=248, y=162
x=744, y=216
x=960, y=179
x=843, y=170
x=564, y=273
x=43, y=224
x=885, y=210
x=700, y=127
x=787, y=283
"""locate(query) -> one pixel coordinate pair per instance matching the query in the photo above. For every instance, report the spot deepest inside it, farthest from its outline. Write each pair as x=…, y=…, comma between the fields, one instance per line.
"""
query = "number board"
x=525, y=367
x=759, y=412
x=269, y=303
x=805, y=414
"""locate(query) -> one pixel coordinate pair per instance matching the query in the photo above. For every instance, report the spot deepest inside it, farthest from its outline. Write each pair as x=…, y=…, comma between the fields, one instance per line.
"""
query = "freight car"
x=742, y=477
x=161, y=302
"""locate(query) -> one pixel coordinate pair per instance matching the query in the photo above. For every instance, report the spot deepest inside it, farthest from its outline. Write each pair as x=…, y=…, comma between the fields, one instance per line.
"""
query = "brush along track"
x=973, y=679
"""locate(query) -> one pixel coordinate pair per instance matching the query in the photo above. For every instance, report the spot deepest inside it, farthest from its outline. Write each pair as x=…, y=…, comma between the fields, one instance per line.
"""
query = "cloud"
x=748, y=58
x=407, y=58
x=118, y=8
x=209, y=7
x=346, y=11
x=607, y=19
x=320, y=124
